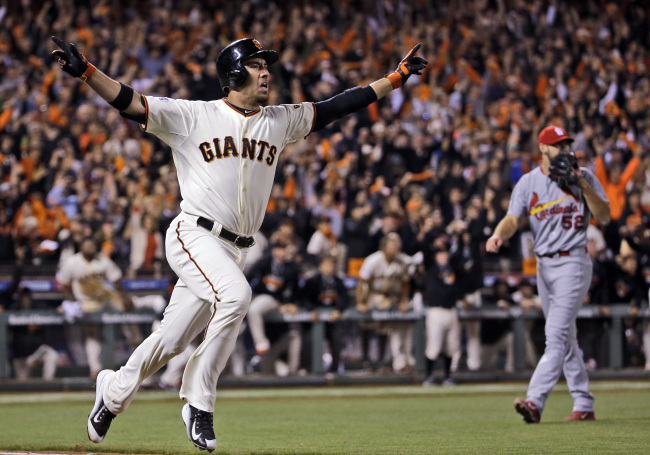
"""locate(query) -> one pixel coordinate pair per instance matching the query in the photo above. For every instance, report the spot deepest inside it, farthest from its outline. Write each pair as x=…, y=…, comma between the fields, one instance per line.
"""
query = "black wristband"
x=124, y=98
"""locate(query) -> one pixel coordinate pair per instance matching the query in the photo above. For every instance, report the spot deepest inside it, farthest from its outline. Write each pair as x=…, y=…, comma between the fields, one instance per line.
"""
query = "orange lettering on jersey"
x=248, y=148
x=272, y=151
x=229, y=147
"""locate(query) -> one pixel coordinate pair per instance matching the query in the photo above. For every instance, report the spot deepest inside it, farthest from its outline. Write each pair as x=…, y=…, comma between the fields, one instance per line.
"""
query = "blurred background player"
x=384, y=286
x=442, y=292
x=325, y=294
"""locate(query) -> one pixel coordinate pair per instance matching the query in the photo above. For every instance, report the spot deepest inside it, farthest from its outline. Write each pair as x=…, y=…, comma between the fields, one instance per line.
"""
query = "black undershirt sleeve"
x=343, y=104
x=140, y=118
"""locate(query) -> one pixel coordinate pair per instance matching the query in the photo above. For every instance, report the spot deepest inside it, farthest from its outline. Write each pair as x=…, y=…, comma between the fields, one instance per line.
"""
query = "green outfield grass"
x=466, y=419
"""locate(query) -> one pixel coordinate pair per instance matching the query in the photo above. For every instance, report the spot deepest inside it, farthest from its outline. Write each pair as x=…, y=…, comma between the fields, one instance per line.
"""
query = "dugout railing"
x=111, y=320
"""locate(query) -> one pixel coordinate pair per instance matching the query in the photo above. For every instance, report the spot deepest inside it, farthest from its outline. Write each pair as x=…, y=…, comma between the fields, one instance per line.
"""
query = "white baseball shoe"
x=200, y=428
x=100, y=418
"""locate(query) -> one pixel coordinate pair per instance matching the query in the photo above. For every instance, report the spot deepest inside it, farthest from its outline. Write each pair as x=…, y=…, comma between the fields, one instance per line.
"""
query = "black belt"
x=239, y=241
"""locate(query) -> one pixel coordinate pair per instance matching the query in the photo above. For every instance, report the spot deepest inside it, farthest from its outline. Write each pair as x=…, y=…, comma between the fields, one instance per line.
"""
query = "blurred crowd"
x=434, y=162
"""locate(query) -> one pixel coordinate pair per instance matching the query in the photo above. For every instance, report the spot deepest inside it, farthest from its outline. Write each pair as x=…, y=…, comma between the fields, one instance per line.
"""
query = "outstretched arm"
x=119, y=95
x=359, y=97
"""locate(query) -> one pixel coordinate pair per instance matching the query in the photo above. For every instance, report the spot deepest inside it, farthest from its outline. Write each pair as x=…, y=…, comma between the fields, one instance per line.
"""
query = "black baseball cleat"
x=200, y=428
x=100, y=418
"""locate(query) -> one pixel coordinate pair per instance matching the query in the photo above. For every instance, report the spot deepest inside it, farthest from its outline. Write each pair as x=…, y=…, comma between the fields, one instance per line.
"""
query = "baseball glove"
x=564, y=169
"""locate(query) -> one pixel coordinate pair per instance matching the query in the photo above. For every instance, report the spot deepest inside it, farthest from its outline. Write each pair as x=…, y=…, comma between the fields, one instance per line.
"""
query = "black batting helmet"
x=230, y=69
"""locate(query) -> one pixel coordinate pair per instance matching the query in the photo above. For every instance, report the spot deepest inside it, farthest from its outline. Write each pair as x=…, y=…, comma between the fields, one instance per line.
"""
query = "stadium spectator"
x=146, y=241
x=7, y=294
x=630, y=287
x=470, y=281
x=274, y=281
x=528, y=300
x=325, y=295
x=639, y=241
x=614, y=179
x=323, y=243
x=591, y=332
x=442, y=292
x=496, y=333
x=29, y=342
x=91, y=282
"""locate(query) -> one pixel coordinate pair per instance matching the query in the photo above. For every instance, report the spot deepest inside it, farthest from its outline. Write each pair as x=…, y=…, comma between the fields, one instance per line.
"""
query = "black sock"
x=430, y=364
x=447, y=361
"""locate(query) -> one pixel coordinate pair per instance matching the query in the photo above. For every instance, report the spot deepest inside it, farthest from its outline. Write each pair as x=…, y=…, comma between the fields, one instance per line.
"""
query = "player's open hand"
x=71, y=60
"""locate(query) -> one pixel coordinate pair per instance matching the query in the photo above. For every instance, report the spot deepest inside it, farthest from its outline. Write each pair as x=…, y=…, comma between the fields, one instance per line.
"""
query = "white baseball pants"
x=211, y=291
x=443, y=332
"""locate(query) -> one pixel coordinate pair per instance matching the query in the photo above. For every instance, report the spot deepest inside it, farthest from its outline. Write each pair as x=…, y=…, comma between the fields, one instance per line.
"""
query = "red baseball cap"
x=552, y=135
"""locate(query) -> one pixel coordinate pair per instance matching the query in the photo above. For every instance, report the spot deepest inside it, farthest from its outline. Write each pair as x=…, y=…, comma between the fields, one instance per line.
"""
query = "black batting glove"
x=409, y=65
x=72, y=61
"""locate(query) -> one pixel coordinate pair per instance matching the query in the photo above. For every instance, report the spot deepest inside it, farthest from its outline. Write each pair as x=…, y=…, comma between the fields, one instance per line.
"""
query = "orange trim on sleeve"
x=313, y=121
x=146, y=114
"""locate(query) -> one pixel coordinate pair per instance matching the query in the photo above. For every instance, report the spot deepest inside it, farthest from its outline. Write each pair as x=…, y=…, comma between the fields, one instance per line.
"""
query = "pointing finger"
x=59, y=42
x=66, y=48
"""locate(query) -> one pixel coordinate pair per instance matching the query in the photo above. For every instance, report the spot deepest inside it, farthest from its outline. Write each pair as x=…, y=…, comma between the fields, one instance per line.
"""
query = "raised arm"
x=359, y=97
x=122, y=97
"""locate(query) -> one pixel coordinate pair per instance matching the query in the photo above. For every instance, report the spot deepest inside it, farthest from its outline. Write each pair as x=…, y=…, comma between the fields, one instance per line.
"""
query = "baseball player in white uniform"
x=559, y=199
x=225, y=153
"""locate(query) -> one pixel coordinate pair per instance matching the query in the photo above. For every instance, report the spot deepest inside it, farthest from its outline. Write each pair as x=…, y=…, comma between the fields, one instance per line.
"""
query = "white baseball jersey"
x=76, y=267
x=384, y=279
x=225, y=159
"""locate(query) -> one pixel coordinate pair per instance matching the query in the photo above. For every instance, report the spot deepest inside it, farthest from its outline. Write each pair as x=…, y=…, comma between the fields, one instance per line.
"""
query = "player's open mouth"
x=264, y=86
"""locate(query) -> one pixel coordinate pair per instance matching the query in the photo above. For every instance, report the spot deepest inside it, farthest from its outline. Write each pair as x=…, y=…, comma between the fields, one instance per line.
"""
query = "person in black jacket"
x=325, y=294
x=470, y=280
x=629, y=286
x=6, y=295
x=639, y=241
x=274, y=281
x=496, y=333
x=442, y=291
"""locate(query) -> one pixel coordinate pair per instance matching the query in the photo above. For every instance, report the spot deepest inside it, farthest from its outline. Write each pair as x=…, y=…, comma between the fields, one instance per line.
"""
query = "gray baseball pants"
x=562, y=284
